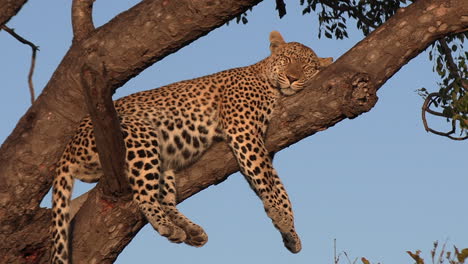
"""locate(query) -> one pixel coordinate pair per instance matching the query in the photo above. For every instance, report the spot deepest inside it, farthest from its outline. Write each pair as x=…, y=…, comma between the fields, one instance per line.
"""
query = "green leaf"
x=448, y=112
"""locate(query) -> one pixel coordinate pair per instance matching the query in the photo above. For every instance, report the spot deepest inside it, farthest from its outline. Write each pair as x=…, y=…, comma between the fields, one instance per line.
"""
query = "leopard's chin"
x=288, y=91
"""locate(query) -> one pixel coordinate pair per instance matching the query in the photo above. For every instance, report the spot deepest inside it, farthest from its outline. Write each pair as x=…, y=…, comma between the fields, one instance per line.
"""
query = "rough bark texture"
x=9, y=8
x=136, y=39
x=98, y=98
x=110, y=145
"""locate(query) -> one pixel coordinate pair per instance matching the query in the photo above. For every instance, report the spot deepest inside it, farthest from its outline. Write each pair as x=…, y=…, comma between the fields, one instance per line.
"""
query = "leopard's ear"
x=275, y=40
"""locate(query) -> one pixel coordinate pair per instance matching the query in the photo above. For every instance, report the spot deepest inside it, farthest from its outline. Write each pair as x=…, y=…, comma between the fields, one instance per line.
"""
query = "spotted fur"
x=168, y=128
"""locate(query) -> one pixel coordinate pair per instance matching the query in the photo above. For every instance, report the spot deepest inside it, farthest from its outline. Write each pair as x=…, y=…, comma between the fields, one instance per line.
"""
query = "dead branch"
x=34, y=49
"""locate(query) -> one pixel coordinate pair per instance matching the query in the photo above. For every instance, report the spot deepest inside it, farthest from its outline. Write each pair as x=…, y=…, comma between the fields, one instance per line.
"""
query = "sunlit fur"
x=168, y=128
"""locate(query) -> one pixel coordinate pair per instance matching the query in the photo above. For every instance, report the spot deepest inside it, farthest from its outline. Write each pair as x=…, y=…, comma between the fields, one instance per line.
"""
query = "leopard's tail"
x=61, y=200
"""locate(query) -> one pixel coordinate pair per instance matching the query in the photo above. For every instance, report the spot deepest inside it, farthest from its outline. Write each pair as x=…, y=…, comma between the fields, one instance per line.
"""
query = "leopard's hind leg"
x=196, y=236
x=144, y=172
x=61, y=196
x=80, y=161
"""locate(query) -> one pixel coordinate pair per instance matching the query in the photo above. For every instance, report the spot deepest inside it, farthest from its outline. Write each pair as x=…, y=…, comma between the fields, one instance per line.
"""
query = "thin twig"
x=33, y=57
x=334, y=251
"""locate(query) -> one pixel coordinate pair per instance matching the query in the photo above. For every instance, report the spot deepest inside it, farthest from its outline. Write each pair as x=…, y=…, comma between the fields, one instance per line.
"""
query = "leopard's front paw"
x=196, y=236
x=284, y=222
x=172, y=232
x=292, y=241
x=281, y=218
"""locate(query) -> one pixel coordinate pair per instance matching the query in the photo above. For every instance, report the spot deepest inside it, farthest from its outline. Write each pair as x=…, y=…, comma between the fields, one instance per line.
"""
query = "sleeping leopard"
x=168, y=128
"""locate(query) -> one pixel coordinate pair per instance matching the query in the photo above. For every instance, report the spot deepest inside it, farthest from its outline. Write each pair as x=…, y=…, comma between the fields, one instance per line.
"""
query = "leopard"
x=168, y=128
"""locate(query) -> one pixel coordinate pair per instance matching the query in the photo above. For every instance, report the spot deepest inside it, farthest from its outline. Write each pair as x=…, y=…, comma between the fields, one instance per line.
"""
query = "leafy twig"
x=430, y=99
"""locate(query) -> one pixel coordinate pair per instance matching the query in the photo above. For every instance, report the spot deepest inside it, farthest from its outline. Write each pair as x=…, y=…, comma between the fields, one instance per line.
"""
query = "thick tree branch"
x=347, y=88
x=9, y=8
x=98, y=97
x=106, y=125
x=82, y=19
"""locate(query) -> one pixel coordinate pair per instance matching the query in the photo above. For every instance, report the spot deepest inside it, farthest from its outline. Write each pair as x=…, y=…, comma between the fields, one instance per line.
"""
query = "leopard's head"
x=291, y=64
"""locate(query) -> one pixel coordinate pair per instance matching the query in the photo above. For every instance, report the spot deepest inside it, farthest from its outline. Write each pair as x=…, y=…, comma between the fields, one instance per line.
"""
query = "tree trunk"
x=134, y=40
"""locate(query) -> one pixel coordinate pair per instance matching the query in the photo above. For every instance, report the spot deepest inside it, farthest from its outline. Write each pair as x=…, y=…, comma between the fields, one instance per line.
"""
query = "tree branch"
x=82, y=19
x=426, y=108
x=34, y=49
x=98, y=98
x=454, y=73
x=9, y=8
x=106, y=126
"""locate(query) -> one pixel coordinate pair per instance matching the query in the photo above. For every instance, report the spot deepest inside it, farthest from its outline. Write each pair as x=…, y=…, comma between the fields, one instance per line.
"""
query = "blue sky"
x=379, y=184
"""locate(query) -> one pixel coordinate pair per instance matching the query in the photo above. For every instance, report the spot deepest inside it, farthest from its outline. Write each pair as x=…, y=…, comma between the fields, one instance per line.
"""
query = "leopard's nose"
x=292, y=78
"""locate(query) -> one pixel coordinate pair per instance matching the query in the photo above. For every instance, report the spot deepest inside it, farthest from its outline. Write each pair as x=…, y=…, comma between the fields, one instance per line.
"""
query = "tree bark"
x=134, y=40
x=98, y=98
x=9, y=8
